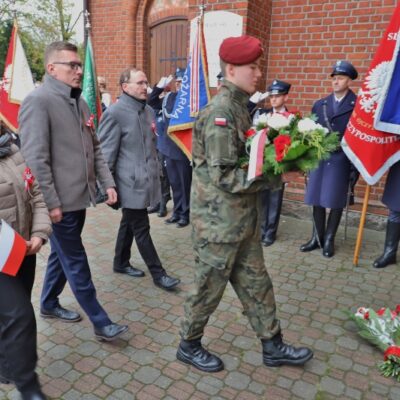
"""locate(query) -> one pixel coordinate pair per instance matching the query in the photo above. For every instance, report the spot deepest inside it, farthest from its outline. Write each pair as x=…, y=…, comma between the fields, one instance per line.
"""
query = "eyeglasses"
x=72, y=64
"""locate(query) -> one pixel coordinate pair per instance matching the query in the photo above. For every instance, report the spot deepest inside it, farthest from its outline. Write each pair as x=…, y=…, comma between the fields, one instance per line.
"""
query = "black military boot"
x=272, y=218
x=391, y=245
x=192, y=352
x=276, y=353
x=162, y=210
x=317, y=238
x=331, y=228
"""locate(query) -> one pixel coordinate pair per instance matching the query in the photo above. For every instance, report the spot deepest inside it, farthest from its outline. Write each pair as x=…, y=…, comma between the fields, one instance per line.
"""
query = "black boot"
x=276, y=353
x=162, y=211
x=317, y=238
x=193, y=353
x=154, y=209
x=331, y=228
x=391, y=244
x=273, y=212
x=36, y=394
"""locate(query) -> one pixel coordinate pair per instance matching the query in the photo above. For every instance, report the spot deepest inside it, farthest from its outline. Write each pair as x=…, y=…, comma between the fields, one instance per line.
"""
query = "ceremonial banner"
x=193, y=95
x=387, y=116
x=17, y=81
x=373, y=151
x=90, y=90
x=12, y=250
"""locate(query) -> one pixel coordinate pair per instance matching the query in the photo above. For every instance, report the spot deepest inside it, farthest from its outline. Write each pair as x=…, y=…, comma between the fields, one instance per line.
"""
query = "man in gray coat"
x=128, y=142
x=60, y=146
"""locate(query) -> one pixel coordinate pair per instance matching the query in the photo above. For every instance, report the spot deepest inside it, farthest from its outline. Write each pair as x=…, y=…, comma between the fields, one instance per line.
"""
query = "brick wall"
x=307, y=37
x=302, y=39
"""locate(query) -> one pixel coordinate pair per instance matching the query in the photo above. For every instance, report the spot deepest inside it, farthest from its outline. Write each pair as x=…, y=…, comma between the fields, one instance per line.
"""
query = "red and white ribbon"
x=12, y=249
x=256, y=160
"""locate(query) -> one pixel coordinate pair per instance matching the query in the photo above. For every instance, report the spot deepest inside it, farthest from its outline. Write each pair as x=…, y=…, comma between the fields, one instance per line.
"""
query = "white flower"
x=261, y=120
x=361, y=312
x=307, y=125
x=278, y=121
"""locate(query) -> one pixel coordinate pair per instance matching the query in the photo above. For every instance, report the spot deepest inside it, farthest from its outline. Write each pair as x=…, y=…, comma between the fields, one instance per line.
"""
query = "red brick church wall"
x=302, y=39
x=308, y=36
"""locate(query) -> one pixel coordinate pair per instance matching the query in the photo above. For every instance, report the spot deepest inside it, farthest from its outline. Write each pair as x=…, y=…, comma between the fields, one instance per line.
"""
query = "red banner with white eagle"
x=374, y=151
x=17, y=81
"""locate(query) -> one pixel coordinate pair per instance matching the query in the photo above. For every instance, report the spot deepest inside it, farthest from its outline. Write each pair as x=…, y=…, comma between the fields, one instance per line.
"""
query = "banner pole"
x=361, y=226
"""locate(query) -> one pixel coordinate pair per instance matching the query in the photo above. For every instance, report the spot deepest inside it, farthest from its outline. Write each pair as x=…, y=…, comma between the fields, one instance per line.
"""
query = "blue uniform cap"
x=279, y=87
x=344, y=68
x=179, y=74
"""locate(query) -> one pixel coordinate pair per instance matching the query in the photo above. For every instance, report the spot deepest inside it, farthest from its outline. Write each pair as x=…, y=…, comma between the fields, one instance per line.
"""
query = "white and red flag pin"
x=12, y=249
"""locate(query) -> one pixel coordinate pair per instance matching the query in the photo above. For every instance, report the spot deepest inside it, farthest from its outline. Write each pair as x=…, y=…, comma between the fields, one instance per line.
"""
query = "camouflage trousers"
x=241, y=264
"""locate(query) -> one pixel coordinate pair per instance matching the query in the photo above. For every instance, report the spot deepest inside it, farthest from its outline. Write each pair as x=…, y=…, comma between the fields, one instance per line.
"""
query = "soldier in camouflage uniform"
x=226, y=210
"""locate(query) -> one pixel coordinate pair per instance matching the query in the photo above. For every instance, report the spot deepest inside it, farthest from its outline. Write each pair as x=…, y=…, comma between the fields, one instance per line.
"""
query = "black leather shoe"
x=33, y=395
x=182, y=223
x=4, y=381
x=129, y=270
x=166, y=282
x=193, y=353
x=310, y=245
x=110, y=332
x=385, y=260
x=268, y=241
x=276, y=353
x=172, y=220
x=152, y=210
x=61, y=313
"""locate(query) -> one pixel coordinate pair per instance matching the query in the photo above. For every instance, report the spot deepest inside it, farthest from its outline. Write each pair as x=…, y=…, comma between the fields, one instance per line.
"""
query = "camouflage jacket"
x=224, y=204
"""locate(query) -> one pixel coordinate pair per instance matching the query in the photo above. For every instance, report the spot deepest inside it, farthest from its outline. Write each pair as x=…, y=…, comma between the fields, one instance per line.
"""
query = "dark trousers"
x=272, y=206
x=68, y=261
x=165, y=185
x=180, y=178
x=18, y=354
x=135, y=225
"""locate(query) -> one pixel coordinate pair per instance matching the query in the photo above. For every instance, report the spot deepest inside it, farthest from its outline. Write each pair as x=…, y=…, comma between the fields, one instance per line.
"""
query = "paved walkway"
x=311, y=292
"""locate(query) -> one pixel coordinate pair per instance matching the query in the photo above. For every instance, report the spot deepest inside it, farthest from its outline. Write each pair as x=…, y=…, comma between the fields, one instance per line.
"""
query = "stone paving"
x=311, y=292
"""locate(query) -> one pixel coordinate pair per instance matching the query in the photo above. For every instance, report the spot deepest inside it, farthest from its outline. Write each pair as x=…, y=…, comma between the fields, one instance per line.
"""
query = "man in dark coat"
x=391, y=199
x=328, y=186
x=178, y=165
x=272, y=199
x=127, y=136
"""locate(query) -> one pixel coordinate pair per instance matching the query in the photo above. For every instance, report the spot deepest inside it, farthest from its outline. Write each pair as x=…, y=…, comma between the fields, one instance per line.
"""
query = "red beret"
x=240, y=50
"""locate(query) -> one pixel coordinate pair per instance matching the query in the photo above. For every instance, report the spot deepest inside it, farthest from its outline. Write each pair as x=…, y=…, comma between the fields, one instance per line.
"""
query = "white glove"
x=162, y=82
x=169, y=80
x=258, y=96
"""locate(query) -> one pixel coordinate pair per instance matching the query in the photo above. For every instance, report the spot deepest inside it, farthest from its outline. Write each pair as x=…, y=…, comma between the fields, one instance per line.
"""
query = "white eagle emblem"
x=371, y=93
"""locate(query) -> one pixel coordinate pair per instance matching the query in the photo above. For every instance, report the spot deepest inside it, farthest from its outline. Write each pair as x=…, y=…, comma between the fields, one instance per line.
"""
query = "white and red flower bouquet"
x=282, y=142
x=381, y=328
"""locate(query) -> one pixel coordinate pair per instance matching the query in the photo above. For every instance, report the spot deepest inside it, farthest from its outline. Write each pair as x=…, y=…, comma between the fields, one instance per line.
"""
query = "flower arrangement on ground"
x=281, y=142
x=382, y=328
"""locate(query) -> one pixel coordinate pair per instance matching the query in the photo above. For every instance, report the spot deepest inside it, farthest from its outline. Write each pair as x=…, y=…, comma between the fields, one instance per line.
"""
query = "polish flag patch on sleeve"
x=219, y=121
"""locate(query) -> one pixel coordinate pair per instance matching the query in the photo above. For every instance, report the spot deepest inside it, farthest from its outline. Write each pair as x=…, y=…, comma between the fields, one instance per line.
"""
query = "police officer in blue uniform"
x=177, y=164
x=272, y=199
x=328, y=185
x=391, y=199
